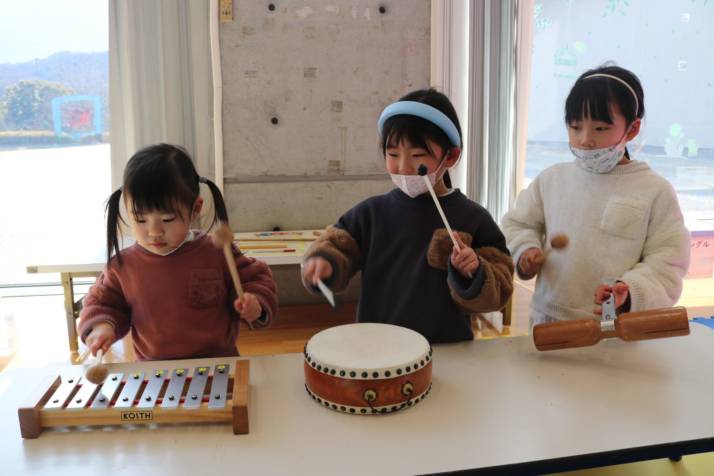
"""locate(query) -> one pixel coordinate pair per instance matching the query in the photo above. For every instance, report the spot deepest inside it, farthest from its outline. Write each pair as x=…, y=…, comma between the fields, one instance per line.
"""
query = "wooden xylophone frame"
x=139, y=399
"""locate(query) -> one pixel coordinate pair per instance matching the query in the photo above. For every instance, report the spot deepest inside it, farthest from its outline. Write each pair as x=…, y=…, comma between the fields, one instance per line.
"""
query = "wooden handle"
x=228, y=253
x=567, y=334
x=653, y=324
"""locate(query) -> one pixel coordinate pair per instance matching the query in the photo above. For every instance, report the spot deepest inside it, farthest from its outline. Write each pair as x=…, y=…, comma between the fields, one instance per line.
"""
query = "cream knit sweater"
x=625, y=225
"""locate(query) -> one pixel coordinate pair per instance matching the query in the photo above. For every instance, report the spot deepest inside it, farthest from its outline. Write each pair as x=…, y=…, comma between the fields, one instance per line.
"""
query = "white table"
x=496, y=404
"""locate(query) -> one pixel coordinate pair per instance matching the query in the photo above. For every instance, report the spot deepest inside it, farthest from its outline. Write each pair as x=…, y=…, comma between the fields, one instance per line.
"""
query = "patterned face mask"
x=600, y=161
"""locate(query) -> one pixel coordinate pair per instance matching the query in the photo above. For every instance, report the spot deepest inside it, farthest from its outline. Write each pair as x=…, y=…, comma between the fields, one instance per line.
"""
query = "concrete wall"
x=303, y=86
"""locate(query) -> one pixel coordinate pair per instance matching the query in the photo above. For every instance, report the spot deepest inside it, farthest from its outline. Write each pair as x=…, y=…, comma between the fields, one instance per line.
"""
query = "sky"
x=38, y=28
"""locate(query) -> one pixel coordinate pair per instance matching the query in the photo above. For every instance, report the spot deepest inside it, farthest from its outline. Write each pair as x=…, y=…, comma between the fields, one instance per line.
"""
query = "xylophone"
x=203, y=394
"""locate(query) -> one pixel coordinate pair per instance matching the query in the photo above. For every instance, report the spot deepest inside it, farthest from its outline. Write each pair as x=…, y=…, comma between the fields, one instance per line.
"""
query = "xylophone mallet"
x=223, y=238
x=557, y=242
x=97, y=372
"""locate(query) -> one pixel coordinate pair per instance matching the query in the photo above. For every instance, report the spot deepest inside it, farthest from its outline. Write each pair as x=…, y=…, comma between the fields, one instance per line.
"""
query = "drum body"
x=367, y=368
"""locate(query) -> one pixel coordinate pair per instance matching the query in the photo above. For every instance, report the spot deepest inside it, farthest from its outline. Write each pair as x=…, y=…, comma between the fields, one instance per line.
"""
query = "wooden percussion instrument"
x=203, y=394
x=367, y=368
x=631, y=326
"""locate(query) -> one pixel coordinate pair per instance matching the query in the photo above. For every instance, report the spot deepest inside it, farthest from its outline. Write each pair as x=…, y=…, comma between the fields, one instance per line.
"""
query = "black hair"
x=417, y=130
x=593, y=97
x=159, y=177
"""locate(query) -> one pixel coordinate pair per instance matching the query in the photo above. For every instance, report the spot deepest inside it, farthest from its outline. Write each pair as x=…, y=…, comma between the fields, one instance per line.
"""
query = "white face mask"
x=600, y=161
x=189, y=237
x=414, y=185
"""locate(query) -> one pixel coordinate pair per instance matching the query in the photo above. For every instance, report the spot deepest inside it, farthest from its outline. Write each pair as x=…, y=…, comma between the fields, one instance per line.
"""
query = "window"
x=54, y=124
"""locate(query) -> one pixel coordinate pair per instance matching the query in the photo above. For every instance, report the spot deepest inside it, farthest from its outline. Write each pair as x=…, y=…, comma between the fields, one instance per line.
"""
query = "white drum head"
x=368, y=347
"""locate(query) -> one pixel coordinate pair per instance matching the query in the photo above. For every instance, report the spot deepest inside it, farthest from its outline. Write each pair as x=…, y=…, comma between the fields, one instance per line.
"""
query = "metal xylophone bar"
x=135, y=398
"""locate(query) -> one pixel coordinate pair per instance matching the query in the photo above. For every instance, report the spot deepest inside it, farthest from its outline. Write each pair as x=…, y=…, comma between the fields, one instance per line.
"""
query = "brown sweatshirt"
x=177, y=306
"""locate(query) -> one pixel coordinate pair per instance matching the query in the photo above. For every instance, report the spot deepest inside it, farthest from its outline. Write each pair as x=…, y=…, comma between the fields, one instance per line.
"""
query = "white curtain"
x=499, y=80
x=481, y=53
x=160, y=79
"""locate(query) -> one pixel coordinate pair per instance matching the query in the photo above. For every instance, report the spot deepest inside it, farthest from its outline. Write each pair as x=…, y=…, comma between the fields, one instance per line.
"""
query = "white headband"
x=634, y=94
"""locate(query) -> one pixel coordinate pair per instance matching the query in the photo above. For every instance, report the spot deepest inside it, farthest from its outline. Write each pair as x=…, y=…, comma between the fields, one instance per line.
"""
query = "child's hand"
x=102, y=336
x=465, y=260
x=621, y=290
x=316, y=268
x=248, y=307
x=530, y=262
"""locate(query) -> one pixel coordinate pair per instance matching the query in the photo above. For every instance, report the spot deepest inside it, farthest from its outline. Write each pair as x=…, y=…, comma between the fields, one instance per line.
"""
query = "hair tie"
x=202, y=179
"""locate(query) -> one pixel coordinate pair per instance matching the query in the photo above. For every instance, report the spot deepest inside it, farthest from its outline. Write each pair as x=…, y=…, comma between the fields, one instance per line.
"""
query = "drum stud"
x=326, y=370
x=332, y=372
x=365, y=374
x=217, y=396
x=172, y=398
x=125, y=399
x=363, y=410
x=148, y=398
x=343, y=408
x=352, y=410
x=194, y=397
x=314, y=365
x=179, y=372
x=55, y=400
x=135, y=376
x=319, y=367
x=308, y=359
x=387, y=373
x=407, y=389
x=408, y=369
x=327, y=404
x=114, y=378
x=375, y=374
x=370, y=395
x=399, y=371
x=394, y=409
x=79, y=400
x=383, y=410
x=319, y=400
x=416, y=365
x=353, y=374
x=102, y=399
x=342, y=373
x=422, y=363
x=157, y=374
x=334, y=407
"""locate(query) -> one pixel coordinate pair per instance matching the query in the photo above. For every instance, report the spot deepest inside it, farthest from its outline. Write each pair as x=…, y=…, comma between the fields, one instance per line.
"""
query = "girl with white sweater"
x=622, y=218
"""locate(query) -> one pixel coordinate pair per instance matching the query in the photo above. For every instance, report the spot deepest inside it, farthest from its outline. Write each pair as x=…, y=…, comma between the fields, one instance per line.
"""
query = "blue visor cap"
x=424, y=111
